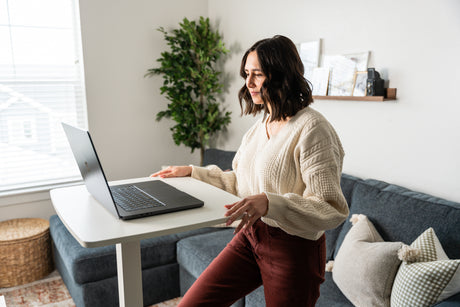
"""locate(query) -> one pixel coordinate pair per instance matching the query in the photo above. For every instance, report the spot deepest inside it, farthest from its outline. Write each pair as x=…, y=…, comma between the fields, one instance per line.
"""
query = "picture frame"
x=309, y=54
x=341, y=76
x=361, y=59
x=320, y=81
x=359, y=83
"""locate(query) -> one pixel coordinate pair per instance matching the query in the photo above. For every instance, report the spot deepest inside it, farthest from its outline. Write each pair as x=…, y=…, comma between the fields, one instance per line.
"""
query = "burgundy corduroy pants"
x=290, y=268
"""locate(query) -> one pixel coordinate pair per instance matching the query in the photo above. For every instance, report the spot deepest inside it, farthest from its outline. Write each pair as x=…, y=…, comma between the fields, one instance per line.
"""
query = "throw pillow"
x=430, y=279
x=365, y=266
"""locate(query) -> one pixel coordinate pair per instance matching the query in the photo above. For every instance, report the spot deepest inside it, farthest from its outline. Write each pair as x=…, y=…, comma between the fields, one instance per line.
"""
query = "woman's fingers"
x=161, y=172
x=247, y=220
x=234, y=207
x=235, y=211
x=250, y=209
x=173, y=171
x=242, y=223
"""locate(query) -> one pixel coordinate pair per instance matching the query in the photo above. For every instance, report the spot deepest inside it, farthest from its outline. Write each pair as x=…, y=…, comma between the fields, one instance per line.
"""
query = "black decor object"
x=375, y=84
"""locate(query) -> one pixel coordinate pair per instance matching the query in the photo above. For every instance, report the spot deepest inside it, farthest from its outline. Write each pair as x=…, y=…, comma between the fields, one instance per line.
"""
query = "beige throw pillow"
x=365, y=266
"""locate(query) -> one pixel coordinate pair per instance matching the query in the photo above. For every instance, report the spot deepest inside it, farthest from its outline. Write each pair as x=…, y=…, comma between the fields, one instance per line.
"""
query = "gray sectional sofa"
x=172, y=263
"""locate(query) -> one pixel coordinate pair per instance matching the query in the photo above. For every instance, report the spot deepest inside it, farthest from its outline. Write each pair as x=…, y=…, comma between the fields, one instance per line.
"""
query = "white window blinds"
x=41, y=85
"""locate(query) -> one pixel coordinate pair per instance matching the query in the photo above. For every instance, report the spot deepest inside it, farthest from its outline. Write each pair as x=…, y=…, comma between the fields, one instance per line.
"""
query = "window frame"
x=39, y=190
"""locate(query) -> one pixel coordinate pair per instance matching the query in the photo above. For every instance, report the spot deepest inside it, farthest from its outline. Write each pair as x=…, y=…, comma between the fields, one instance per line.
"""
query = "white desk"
x=92, y=226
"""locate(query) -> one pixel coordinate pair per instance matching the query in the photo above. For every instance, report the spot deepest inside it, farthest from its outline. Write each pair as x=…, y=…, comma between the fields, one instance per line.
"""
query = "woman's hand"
x=250, y=208
x=174, y=171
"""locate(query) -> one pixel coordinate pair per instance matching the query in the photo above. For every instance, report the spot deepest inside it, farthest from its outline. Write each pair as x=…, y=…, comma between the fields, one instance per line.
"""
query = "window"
x=21, y=131
x=41, y=85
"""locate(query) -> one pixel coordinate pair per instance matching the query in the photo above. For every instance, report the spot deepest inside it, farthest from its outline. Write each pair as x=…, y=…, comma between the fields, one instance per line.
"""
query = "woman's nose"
x=249, y=81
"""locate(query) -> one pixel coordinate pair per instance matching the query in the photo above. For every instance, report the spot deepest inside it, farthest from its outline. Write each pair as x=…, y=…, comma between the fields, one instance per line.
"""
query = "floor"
x=48, y=292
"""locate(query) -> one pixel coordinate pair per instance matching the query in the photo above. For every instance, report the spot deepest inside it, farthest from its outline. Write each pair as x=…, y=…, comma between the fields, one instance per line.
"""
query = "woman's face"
x=254, y=77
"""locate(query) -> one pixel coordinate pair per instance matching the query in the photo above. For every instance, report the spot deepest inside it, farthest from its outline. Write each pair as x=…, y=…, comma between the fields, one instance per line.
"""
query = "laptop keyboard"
x=132, y=198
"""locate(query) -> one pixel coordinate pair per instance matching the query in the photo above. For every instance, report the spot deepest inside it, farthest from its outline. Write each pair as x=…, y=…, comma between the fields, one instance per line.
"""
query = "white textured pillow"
x=430, y=279
x=365, y=266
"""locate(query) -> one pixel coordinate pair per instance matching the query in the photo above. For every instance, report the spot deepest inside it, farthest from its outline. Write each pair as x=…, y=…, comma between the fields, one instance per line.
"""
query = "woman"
x=287, y=172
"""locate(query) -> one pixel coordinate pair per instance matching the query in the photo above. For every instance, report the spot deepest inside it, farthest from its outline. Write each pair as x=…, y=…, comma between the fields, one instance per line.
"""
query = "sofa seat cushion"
x=400, y=214
x=93, y=264
x=453, y=301
x=164, y=279
x=195, y=253
x=256, y=298
x=330, y=294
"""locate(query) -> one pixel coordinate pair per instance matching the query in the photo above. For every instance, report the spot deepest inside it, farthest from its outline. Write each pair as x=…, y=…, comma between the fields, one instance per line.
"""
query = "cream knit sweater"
x=298, y=169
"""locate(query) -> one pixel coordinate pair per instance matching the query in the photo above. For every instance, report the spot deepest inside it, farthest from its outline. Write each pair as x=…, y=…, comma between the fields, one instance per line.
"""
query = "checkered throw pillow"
x=430, y=279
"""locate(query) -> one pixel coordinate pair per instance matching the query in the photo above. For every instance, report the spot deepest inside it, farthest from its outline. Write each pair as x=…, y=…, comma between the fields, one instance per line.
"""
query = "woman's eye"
x=258, y=75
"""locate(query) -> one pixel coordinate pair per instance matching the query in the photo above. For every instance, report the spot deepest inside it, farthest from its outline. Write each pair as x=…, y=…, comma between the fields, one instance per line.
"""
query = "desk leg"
x=129, y=272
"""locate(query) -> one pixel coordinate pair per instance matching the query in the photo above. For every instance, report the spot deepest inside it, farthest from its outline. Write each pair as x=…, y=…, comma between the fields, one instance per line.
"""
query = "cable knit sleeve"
x=319, y=203
x=212, y=174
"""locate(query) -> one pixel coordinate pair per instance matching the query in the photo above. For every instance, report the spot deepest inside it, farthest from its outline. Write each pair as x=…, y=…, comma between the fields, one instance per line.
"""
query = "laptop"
x=127, y=201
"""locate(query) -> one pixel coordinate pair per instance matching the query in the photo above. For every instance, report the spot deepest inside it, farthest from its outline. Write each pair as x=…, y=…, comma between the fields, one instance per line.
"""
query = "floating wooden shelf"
x=391, y=95
x=353, y=98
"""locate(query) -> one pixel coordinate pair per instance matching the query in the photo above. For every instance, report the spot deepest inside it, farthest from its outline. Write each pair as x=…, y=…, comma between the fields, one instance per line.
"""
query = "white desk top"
x=92, y=225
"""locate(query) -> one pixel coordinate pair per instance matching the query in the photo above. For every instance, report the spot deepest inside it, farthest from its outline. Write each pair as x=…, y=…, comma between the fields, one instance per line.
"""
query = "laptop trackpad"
x=166, y=193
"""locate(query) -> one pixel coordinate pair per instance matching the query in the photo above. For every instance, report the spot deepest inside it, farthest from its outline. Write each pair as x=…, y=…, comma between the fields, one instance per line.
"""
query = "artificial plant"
x=191, y=83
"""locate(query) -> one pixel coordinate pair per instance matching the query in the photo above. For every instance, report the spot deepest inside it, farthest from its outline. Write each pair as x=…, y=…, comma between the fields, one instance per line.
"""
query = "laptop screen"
x=90, y=167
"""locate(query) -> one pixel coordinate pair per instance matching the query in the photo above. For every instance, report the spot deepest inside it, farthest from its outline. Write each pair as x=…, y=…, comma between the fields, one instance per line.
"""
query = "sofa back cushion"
x=400, y=214
x=223, y=159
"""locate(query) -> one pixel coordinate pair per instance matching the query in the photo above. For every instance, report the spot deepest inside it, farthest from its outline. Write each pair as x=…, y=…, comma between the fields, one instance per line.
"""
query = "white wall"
x=414, y=141
x=120, y=43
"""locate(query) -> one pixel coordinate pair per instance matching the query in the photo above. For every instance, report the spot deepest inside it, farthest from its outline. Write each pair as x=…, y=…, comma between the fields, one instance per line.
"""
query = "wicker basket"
x=25, y=251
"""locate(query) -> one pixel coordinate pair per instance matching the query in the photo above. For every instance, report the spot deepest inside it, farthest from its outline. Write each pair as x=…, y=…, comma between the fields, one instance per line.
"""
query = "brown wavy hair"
x=285, y=87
